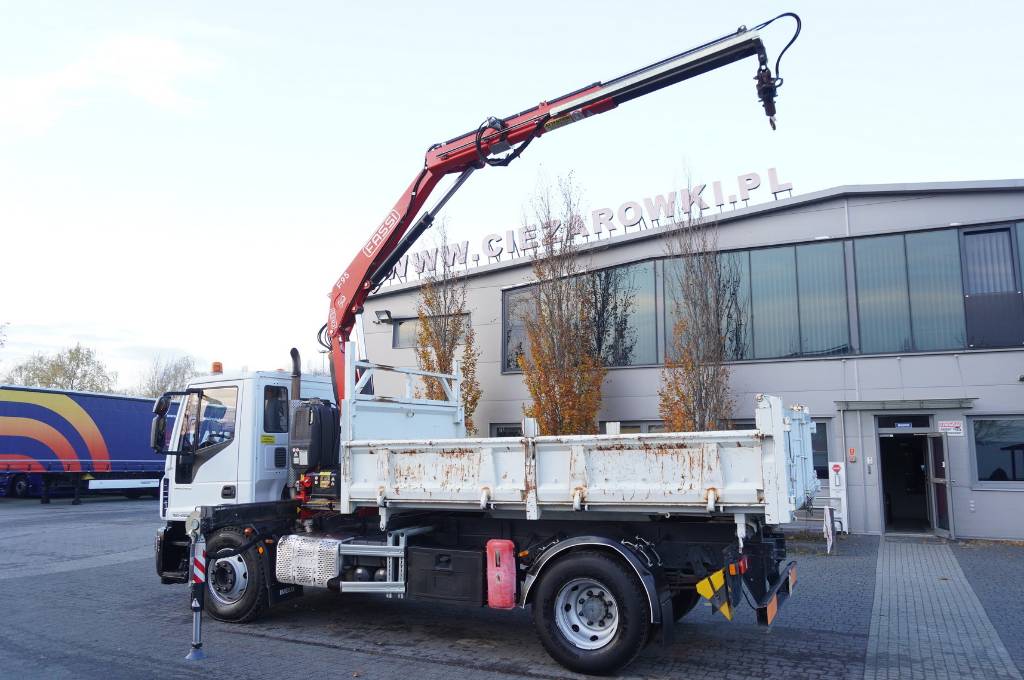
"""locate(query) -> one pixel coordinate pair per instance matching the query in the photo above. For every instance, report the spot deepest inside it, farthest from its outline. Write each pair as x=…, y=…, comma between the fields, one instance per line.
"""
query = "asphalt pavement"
x=82, y=600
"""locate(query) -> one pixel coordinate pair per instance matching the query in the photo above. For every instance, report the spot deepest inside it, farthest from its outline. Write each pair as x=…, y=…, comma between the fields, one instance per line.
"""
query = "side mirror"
x=158, y=429
x=162, y=405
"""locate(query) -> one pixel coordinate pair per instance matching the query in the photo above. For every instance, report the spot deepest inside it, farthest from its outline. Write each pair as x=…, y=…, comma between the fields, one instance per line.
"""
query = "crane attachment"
x=499, y=141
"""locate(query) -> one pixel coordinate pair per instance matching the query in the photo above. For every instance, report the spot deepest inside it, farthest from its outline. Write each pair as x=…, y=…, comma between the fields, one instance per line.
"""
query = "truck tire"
x=235, y=586
x=591, y=613
x=683, y=603
x=19, y=486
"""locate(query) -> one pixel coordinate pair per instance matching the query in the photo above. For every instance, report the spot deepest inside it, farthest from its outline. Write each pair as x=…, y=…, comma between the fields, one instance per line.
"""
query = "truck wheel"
x=235, y=589
x=591, y=613
x=683, y=603
x=19, y=486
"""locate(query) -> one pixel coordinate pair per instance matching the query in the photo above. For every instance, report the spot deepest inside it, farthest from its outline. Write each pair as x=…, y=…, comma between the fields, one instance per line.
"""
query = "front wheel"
x=235, y=589
x=591, y=613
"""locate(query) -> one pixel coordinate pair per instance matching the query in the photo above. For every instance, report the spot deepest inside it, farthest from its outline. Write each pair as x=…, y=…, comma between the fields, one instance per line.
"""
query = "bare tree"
x=562, y=365
x=166, y=375
x=444, y=325
x=75, y=368
x=708, y=329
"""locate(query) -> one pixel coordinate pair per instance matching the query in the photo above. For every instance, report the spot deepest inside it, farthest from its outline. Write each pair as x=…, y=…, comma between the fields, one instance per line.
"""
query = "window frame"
x=853, y=291
x=976, y=483
x=658, y=316
x=398, y=321
x=287, y=415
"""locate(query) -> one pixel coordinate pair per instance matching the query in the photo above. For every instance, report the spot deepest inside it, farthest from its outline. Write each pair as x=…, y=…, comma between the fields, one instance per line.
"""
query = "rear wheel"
x=235, y=589
x=591, y=613
x=19, y=486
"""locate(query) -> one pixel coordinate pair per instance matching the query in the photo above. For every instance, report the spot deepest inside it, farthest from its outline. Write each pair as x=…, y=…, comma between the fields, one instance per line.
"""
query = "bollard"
x=197, y=593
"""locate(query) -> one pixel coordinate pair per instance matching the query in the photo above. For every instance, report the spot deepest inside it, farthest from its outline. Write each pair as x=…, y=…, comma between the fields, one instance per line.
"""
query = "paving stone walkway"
x=927, y=622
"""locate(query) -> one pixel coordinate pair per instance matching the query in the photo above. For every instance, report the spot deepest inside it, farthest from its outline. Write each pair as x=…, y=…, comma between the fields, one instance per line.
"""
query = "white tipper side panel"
x=748, y=471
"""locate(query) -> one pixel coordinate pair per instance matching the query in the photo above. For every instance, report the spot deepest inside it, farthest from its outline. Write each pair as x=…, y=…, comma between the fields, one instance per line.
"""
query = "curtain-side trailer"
x=83, y=441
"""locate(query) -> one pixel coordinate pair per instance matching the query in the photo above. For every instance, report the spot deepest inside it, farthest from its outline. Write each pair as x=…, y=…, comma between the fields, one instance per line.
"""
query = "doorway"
x=904, y=467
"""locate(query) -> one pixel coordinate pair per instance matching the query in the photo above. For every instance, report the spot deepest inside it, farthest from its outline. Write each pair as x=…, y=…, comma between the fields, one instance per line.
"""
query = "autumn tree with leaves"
x=444, y=325
x=74, y=368
x=562, y=362
x=708, y=329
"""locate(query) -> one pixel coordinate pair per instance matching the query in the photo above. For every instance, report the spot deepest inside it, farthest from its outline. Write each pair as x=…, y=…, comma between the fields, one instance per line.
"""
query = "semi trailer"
x=65, y=440
x=277, y=484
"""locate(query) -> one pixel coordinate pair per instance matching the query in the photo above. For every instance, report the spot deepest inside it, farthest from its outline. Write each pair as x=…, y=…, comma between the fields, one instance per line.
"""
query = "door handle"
x=227, y=491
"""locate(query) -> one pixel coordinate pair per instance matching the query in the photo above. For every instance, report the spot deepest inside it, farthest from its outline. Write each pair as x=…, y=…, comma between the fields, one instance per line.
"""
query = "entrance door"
x=904, y=466
x=942, y=520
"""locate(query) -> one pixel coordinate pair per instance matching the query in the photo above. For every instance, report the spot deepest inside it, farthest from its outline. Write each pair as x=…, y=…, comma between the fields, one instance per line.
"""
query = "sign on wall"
x=954, y=428
x=604, y=223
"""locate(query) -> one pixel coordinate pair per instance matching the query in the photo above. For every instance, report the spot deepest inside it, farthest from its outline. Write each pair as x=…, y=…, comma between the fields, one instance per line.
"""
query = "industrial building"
x=894, y=312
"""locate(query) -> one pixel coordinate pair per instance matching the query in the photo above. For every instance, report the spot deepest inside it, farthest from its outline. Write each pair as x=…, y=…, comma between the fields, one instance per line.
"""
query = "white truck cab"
x=243, y=440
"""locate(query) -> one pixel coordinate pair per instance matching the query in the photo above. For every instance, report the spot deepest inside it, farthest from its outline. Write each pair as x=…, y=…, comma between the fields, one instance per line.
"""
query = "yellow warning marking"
x=267, y=439
x=772, y=609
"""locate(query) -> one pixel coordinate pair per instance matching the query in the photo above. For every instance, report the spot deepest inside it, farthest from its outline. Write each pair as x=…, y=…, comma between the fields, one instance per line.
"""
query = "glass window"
x=999, y=447
x=735, y=302
x=275, y=408
x=1020, y=248
x=989, y=264
x=821, y=275
x=506, y=430
x=936, y=291
x=635, y=426
x=516, y=308
x=773, y=294
x=819, y=449
x=625, y=315
x=883, y=303
x=216, y=428
x=404, y=333
x=736, y=281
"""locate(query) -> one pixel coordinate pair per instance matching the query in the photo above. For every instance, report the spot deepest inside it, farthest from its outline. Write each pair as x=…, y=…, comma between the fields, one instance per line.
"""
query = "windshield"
x=216, y=423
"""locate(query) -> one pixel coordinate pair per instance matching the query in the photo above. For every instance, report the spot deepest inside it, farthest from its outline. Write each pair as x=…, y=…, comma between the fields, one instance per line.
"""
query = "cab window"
x=216, y=414
x=275, y=408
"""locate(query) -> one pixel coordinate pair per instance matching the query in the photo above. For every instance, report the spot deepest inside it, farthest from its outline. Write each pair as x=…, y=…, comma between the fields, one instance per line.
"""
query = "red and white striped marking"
x=199, y=566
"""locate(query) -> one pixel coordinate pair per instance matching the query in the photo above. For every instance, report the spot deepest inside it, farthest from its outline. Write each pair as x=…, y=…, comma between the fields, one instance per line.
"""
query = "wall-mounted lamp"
x=384, y=316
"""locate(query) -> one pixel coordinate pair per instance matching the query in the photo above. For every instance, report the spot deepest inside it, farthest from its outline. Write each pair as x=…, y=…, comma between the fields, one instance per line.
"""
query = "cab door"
x=270, y=464
x=206, y=473
x=941, y=493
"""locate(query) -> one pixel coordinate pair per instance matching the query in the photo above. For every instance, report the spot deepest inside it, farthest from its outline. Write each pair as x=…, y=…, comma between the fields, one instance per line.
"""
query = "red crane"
x=510, y=136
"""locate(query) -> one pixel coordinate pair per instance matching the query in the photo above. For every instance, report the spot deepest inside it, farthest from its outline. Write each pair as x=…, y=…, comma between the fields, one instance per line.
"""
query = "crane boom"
x=473, y=150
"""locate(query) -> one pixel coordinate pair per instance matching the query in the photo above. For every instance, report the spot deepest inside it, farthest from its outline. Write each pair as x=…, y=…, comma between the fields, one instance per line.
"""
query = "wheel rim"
x=229, y=579
x=586, y=613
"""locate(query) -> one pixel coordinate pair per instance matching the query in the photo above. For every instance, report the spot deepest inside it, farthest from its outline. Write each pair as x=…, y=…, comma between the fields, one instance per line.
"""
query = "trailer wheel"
x=683, y=603
x=235, y=589
x=591, y=613
x=19, y=486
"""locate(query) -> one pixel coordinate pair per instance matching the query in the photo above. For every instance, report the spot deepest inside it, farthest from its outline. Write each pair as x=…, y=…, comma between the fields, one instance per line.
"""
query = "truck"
x=60, y=439
x=275, y=484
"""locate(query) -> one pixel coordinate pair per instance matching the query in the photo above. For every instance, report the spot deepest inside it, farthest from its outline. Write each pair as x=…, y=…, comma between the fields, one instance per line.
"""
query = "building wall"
x=989, y=377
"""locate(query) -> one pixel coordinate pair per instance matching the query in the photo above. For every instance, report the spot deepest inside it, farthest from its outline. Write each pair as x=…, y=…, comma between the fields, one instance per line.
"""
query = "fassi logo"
x=381, y=234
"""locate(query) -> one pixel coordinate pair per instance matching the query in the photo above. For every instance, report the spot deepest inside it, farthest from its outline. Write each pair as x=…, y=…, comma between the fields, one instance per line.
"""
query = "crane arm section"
x=466, y=153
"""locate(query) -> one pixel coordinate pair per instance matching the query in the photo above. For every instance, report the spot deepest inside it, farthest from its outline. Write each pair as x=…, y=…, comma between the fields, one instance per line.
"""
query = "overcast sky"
x=191, y=177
